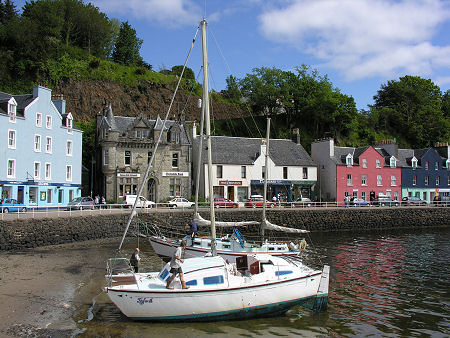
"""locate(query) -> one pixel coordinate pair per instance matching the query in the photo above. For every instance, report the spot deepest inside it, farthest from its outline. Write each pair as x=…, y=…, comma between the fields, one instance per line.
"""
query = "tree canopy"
x=126, y=49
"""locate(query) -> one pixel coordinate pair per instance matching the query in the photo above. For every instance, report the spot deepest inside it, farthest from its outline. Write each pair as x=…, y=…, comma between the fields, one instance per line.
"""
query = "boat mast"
x=208, y=137
x=199, y=159
x=266, y=174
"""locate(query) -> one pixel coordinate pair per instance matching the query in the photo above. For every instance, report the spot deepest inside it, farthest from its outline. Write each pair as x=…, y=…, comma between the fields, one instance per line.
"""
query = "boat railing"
x=119, y=270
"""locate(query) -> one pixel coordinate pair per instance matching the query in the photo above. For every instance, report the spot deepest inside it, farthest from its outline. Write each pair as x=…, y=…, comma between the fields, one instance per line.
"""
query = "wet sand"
x=40, y=288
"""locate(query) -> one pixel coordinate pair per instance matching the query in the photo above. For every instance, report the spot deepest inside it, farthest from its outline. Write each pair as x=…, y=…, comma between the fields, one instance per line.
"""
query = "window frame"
x=37, y=143
x=48, y=121
x=14, y=139
x=69, y=173
x=127, y=157
x=48, y=171
x=38, y=119
x=12, y=112
x=349, y=180
x=378, y=163
x=37, y=170
x=175, y=160
x=69, y=149
x=379, y=180
x=393, y=180
x=285, y=173
x=364, y=180
x=219, y=171
x=243, y=171
x=364, y=162
x=13, y=168
x=47, y=150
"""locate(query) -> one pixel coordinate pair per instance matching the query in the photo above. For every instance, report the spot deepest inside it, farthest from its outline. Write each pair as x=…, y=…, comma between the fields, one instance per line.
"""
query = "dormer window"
x=175, y=137
x=105, y=133
x=69, y=122
x=393, y=162
x=12, y=110
x=349, y=160
x=414, y=163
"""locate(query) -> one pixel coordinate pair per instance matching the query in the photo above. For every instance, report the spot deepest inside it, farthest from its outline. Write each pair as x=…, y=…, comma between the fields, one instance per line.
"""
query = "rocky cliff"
x=85, y=98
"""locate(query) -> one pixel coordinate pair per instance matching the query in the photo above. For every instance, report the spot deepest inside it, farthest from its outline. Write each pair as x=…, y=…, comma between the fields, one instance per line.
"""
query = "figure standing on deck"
x=134, y=260
x=175, y=267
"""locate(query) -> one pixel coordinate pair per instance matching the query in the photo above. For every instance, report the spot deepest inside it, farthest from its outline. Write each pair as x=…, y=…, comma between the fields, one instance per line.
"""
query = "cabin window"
x=213, y=280
x=283, y=272
x=271, y=248
x=192, y=282
x=226, y=246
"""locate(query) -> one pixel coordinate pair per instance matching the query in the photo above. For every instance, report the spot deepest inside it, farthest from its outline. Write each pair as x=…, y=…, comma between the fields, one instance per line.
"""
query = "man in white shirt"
x=175, y=267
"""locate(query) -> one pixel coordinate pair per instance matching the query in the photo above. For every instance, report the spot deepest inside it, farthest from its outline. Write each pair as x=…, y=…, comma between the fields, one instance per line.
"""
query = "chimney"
x=296, y=135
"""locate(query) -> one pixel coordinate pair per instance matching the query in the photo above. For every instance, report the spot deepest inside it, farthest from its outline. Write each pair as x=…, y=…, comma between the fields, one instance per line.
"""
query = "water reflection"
x=382, y=284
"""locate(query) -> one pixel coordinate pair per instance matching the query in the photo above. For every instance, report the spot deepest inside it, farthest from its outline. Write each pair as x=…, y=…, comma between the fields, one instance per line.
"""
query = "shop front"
x=232, y=190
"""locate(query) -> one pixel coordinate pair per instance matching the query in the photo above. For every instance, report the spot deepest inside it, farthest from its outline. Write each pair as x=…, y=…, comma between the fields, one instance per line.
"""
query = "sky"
x=359, y=44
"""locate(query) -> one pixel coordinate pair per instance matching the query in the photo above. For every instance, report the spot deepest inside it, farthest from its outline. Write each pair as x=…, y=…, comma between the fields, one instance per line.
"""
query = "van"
x=129, y=200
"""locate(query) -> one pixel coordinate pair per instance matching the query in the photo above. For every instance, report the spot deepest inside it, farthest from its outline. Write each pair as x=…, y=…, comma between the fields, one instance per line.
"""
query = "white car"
x=179, y=202
x=129, y=200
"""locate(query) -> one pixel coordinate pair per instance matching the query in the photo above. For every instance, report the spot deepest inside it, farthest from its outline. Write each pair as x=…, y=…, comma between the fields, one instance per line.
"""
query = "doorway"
x=20, y=190
x=151, y=190
x=230, y=193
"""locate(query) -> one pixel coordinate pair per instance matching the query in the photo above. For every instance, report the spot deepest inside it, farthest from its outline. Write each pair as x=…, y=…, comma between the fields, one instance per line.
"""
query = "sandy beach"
x=41, y=288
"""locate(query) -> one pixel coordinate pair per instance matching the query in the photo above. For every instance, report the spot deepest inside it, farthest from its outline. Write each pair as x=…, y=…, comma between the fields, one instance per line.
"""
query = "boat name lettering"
x=144, y=300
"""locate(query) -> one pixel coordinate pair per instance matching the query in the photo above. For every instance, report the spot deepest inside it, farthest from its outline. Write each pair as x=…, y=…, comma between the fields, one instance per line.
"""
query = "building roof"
x=242, y=150
x=22, y=102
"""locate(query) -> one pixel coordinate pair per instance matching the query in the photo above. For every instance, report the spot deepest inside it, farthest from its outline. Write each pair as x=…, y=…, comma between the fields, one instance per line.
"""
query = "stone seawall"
x=29, y=233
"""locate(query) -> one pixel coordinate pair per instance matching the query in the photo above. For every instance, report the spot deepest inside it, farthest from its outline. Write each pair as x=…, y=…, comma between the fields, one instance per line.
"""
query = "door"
x=230, y=193
x=151, y=190
x=20, y=189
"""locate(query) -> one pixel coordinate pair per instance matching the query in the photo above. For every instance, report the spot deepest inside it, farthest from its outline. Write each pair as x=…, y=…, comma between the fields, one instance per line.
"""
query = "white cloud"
x=363, y=38
x=169, y=12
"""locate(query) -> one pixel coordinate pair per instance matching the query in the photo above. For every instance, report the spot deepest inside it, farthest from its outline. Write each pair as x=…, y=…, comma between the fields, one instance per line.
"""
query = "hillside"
x=85, y=98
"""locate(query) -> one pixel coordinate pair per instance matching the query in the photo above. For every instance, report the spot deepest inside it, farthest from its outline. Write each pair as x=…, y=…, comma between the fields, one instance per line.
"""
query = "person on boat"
x=175, y=267
x=193, y=228
x=134, y=260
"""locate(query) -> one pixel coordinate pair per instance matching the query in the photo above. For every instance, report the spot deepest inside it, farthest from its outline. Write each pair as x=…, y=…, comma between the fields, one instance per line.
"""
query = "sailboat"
x=232, y=246
x=257, y=285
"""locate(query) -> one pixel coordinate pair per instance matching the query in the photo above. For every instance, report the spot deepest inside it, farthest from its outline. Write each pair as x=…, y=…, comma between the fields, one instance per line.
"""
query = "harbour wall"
x=29, y=233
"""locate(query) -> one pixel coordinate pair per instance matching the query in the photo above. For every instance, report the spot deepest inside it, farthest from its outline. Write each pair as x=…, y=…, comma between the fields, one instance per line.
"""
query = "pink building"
x=364, y=172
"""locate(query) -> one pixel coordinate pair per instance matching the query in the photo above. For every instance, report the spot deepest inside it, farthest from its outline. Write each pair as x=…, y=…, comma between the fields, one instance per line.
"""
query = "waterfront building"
x=40, y=162
x=239, y=168
x=364, y=172
x=124, y=147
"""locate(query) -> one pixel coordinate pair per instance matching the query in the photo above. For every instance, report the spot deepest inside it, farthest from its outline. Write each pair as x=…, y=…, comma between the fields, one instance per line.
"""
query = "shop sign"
x=228, y=182
x=175, y=174
x=273, y=182
x=128, y=175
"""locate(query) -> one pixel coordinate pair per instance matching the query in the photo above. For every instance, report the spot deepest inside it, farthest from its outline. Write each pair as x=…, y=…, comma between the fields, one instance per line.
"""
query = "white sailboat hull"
x=166, y=248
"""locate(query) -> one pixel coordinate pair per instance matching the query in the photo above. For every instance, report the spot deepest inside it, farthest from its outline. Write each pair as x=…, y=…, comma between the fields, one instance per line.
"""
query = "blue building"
x=40, y=161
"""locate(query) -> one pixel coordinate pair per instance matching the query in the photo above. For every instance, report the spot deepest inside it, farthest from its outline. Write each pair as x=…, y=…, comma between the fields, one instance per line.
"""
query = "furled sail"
x=204, y=222
x=269, y=226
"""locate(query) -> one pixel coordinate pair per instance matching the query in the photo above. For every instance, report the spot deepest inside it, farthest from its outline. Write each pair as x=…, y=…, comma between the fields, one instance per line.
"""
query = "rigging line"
x=189, y=96
x=240, y=92
x=144, y=179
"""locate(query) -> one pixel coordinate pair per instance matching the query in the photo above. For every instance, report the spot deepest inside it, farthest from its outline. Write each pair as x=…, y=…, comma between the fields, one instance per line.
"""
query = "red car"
x=257, y=201
x=220, y=202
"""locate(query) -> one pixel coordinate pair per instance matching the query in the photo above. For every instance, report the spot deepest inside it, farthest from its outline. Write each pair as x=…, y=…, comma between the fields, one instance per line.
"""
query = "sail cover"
x=265, y=224
x=204, y=222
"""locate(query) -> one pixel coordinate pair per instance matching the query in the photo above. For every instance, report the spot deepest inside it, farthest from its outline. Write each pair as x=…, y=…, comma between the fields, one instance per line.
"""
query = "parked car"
x=129, y=201
x=413, y=200
x=220, y=202
x=257, y=201
x=180, y=202
x=301, y=202
x=10, y=204
x=386, y=202
x=81, y=203
x=359, y=202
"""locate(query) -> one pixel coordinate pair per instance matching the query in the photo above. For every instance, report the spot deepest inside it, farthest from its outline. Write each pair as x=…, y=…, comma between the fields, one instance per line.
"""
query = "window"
x=396, y=195
x=37, y=170
x=69, y=148
x=11, y=173
x=379, y=180
x=48, y=145
x=175, y=160
x=49, y=196
x=414, y=180
x=219, y=171
x=33, y=195
x=363, y=195
x=70, y=194
x=393, y=162
x=305, y=173
x=426, y=165
x=37, y=143
x=60, y=196
x=213, y=280
x=175, y=187
x=105, y=133
x=438, y=180
x=144, y=134
x=69, y=173
x=69, y=123
x=11, y=139
x=378, y=163
x=364, y=162
x=48, y=171
x=149, y=157
x=38, y=120
x=285, y=173
x=363, y=179
x=12, y=112
x=414, y=163
x=393, y=180
x=127, y=157
x=48, y=122
x=138, y=134
x=349, y=160
x=426, y=180
x=355, y=194
x=436, y=166
x=175, y=137
x=105, y=156
x=263, y=172
x=349, y=179
x=243, y=171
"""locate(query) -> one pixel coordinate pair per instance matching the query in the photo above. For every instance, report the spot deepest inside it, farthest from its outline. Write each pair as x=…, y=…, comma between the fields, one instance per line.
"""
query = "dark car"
x=10, y=204
x=413, y=200
x=220, y=202
x=359, y=202
x=81, y=203
x=386, y=202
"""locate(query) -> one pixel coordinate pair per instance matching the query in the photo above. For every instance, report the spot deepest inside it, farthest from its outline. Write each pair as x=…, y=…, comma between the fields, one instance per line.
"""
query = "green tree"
x=8, y=11
x=232, y=92
x=188, y=72
x=410, y=110
x=127, y=46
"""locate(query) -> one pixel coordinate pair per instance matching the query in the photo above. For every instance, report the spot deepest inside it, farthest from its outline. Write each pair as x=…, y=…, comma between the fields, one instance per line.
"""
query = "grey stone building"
x=124, y=147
